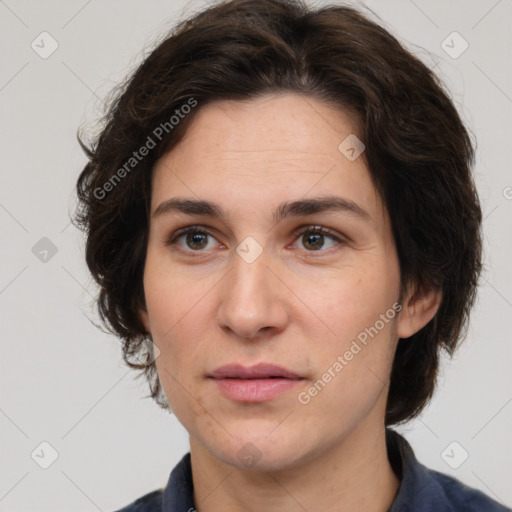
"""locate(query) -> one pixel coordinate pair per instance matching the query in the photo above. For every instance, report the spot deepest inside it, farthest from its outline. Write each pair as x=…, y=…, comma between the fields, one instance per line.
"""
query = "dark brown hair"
x=418, y=152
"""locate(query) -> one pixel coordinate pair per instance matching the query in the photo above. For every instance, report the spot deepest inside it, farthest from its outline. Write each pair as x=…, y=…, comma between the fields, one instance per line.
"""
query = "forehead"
x=280, y=123
x=273, y=148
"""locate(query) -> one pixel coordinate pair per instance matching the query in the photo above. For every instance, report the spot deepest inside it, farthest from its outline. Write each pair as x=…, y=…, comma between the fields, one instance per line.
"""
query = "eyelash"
x=296, y=233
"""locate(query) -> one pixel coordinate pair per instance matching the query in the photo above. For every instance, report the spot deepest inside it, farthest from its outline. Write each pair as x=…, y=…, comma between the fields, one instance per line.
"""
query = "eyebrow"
x=297, y=208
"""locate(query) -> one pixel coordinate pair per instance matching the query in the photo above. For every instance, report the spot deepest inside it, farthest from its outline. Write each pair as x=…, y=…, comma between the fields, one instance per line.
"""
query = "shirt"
x=421, y=489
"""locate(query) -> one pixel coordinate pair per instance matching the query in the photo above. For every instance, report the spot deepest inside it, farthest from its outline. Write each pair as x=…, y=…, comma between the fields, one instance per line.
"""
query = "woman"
x=281, y=217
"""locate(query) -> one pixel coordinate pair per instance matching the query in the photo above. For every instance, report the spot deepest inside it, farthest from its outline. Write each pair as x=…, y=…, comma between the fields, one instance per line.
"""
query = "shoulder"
x=178, y=494
x=426, y=490
x=151, y=502
x=462, y=497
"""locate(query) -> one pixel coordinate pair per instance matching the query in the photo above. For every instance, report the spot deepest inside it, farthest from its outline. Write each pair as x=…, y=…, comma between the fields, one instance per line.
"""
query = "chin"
x=257, y=452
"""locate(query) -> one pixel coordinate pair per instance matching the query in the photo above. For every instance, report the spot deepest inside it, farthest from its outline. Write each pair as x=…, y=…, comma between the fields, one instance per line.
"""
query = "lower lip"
x=254, y=390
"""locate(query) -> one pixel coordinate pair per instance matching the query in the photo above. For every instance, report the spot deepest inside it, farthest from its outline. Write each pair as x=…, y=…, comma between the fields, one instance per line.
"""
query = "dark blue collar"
x=421, y=489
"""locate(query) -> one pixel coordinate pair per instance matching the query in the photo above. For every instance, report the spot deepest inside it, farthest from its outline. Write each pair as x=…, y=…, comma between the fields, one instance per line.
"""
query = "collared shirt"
x=421, y=489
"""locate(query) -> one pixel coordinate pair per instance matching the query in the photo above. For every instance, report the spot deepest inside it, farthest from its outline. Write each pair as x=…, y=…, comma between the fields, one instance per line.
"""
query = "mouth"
x=259, y=383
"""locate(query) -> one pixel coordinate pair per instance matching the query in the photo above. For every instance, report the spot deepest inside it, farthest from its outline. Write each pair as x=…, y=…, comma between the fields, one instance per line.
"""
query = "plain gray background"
x=62, y=380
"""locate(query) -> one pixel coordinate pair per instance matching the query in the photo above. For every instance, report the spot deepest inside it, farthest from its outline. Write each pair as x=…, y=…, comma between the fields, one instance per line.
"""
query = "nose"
x=252, y=299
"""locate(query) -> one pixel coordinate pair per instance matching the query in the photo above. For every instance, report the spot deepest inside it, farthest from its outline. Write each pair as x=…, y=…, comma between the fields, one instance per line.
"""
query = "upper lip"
x=261, y=370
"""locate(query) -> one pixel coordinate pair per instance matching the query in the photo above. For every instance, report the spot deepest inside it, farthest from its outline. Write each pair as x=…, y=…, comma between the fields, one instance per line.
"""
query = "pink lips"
x=253, y=384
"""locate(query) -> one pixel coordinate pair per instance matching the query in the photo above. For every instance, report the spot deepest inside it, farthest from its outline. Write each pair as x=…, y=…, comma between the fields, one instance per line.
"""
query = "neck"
x=352, y=475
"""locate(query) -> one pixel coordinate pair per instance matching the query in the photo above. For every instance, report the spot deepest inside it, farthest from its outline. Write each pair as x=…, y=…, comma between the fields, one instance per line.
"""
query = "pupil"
x=315, y=239
x=195, y=239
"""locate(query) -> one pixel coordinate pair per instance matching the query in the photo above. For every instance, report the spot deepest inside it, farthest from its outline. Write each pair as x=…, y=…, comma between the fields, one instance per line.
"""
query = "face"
x=313, y=290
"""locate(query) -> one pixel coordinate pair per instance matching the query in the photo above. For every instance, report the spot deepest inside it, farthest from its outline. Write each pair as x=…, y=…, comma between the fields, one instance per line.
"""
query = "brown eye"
x=314, y=241
x=195, y=239
x=314, y=238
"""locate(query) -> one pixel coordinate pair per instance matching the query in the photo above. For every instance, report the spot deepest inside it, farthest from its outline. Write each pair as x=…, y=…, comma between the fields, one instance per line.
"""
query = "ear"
x=420, y=305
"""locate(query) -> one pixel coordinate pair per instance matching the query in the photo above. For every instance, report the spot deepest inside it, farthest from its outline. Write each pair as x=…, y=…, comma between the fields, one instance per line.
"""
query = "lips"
x=259, y=371
x=260, y=383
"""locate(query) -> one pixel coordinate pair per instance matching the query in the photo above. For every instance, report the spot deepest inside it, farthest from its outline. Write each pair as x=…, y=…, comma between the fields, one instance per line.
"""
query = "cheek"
x=176, y=311
x=359, y=310
x=352, y=299
x=353, y=371
x=171, y=295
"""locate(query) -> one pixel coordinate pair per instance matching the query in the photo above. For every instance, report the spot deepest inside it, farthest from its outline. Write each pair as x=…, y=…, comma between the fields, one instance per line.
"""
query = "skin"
x=293, y=305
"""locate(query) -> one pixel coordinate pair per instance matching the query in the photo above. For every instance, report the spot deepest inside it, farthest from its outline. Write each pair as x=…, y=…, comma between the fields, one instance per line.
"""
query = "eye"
x=195, y=238
x=313, y=237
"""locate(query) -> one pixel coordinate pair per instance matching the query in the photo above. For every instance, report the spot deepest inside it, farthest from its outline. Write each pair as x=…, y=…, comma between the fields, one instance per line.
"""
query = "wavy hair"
x=418, y=152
